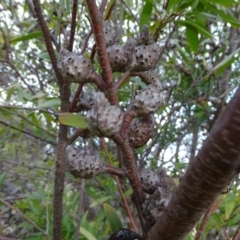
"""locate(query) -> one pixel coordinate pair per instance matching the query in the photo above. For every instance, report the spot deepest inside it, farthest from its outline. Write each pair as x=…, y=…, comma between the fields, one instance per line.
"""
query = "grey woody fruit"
x=144, y=38
x=147, y=57
x=148, y=100
x=155, y=205
x=149, y=76
x=103, y=119
x=122, y=57
x=109, y=33
x=84, y=164
x=140, y=131
x=75, y=67
x=151, y=180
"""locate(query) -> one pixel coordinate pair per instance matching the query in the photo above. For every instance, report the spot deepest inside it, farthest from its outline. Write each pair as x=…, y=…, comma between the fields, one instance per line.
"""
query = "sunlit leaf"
x=71, y=119
x=100, y=200
x=26, y=37
x=112, y=217
x=218, y=220
x=87, y=234
x=229, y=206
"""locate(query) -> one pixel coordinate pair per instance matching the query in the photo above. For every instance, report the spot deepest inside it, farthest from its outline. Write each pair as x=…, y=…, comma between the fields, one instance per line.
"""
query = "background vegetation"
x=199, y=69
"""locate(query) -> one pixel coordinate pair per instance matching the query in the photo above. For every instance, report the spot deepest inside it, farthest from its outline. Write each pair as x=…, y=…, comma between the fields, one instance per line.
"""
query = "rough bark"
x=208, y=174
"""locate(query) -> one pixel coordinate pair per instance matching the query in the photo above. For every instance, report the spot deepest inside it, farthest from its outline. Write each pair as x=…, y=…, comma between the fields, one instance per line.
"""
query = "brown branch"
x=25, y=217
x=104, y=62
x=208, y=174
x=60, y=164
x=28, y=133
x=73, y=25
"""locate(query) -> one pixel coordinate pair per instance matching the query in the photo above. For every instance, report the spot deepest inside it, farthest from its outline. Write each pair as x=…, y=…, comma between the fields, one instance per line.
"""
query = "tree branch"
x=208, y=174
x=97, y=25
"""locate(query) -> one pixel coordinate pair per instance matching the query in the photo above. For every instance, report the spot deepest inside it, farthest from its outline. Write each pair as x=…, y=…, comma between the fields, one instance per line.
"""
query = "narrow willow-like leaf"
x=192, y=37
x=71, y=119
x=146, y=13
x=112, y=217
x=26, y=37
x=49, y=103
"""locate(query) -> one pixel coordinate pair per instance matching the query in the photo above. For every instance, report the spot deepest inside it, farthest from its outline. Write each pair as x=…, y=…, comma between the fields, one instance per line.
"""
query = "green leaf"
x=228, y=209
x=146, y=13
x=44, y=55
x=100, y=200
x=223, y=2
x=87, y=234
x=2, y=178
x=171, y=3
x=112, y=217
x=200, y=28
x=192, y=37
x=71, y=119
x=217, y=220
x=26, y=37
x=227, y=61
x=49, y=103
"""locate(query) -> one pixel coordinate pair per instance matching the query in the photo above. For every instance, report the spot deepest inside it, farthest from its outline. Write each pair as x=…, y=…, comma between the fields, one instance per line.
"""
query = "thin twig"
x=76, y=97
x=19, y=75
x=25, y=217
x=125, y=204
x=236, y=235
x=205, y=218
x=28, y=133
x=225, y=233
x=47, y=38
x=28, y=109
x=73, y=25
x=122, y=80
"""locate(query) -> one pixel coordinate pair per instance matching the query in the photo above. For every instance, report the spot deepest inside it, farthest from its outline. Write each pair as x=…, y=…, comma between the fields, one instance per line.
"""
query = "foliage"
x=199, y=69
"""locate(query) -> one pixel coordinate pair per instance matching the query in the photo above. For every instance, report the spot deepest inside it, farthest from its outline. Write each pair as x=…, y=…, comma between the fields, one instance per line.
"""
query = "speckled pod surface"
x=84, y=164
x=103, y=119
x=75, y=67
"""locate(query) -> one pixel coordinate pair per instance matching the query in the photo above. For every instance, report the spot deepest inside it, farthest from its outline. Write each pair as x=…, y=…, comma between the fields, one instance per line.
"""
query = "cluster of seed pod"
x=103, y=119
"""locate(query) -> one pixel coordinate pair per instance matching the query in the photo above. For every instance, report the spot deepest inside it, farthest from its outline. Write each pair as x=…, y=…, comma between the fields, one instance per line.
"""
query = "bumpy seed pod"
x=103, y=119
x=75, y=67
x=125, y=234
x=149, y=76
x=146, y=57
x=122, y=57
x=109, y=33
x=155, y=205
x=84, y=164
x=140, y=131
x=151, y=180
x=144, y=38
x=148, y=100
